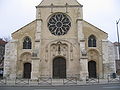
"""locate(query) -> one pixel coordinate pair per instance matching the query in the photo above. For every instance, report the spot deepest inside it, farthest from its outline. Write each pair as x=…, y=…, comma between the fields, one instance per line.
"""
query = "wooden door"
x=92, y=69
x=27, y=70
x=59, y=68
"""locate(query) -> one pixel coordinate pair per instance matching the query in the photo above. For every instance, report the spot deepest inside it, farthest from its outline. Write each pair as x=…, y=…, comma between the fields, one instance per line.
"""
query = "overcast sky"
x=102, y=13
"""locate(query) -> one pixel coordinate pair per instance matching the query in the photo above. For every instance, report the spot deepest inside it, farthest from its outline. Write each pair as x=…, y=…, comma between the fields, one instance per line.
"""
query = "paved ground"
x=82, y=87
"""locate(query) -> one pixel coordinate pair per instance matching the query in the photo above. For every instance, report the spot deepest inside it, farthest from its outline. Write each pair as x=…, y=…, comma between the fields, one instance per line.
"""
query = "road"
x=86, y=87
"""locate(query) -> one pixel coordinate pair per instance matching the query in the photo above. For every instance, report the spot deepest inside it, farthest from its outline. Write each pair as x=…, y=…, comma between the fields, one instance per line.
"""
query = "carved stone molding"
x=35, y=58
x=59, y=48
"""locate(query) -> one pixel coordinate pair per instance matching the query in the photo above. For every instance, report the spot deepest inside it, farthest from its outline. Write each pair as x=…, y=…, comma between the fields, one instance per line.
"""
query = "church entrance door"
x=92, y=69
x=27, y=70
x=59, y=68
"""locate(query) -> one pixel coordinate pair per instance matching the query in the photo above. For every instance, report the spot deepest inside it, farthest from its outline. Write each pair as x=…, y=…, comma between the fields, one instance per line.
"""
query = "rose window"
x=59, y=24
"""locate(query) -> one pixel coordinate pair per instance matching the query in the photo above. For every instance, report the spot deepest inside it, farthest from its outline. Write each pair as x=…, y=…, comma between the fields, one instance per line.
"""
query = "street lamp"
x=117, y=22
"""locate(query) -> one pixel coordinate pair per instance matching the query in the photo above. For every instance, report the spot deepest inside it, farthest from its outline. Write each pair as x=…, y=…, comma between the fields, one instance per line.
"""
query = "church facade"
x=59, y=44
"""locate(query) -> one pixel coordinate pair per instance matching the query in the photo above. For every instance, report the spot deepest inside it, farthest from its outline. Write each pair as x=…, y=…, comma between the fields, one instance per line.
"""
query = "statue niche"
x=59, y=49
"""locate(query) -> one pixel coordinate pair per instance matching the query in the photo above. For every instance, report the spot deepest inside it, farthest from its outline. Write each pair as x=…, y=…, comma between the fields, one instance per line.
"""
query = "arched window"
x=27, y=43
x=92, y=41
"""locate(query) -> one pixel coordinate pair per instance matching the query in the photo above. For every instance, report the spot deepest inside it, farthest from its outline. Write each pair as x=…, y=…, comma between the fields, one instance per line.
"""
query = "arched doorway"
x=27, y=70
x=92, y=69
x=59, y=68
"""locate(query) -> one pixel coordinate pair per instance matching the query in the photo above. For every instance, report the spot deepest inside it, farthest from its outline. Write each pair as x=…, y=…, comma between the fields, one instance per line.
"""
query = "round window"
x=59, y=24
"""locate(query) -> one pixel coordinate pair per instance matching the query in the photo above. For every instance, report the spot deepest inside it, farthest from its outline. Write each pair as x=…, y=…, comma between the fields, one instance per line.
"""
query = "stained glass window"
x=27, y=43
x=92, y=41
x=59, y=24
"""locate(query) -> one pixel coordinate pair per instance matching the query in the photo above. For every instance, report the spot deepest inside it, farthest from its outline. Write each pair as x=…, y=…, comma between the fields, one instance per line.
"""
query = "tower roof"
x=58, y=2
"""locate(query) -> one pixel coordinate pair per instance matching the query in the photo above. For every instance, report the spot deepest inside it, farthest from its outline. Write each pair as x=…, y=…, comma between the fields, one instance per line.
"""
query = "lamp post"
x=117, y=22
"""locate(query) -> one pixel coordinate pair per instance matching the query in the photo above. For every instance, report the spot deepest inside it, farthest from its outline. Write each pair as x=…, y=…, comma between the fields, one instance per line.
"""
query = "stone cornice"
x=35, y=58
x=38, y=19
x=79, y=19
x=37, y=40
x=84, y=57
x=82, y=40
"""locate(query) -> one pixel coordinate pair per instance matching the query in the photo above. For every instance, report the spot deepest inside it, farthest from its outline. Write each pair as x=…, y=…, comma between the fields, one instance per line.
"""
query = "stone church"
x=59, y=44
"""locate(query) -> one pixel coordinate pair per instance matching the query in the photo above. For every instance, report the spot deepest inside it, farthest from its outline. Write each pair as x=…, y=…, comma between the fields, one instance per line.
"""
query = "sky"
x=15, y=14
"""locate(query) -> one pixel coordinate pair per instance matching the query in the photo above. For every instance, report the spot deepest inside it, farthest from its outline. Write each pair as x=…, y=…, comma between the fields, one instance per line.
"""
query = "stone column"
x=37, y=47
x=100, y=66
x=80, y=29
x=81, y=41
x=38, y=33
x=80, y=24
x=84, y=67
x=83, y=60
x=35, y=68
x=37, y=38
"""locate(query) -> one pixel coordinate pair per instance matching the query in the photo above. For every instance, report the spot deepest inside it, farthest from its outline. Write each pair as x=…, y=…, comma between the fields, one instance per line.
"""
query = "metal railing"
x=70, y=81
x=92, y=80
x=48, y=81
x=22, y=81
x=113, y=78
x=3, y=81
x=45, y=80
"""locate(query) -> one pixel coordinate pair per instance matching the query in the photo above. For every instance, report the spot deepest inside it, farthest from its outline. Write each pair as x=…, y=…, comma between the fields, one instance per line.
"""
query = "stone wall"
x=10, y=60
x=108, y=57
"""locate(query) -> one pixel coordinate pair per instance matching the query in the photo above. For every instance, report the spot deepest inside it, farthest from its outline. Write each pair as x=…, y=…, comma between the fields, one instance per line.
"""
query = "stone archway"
x=94, y=63
x=24, y=58
x=59, y=68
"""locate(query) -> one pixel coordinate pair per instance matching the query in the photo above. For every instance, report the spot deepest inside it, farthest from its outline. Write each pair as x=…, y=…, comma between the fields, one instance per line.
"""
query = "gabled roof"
x=23, y=27
x=95, y=26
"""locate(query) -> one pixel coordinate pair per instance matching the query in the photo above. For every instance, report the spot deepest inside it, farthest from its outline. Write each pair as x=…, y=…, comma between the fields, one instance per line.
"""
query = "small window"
x=27, y=43
x=92, y=41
